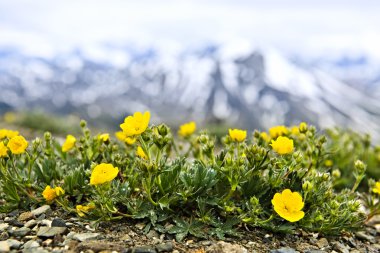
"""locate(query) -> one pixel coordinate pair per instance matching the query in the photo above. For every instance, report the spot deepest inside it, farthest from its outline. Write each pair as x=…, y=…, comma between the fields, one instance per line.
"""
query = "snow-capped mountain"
x=246, y=87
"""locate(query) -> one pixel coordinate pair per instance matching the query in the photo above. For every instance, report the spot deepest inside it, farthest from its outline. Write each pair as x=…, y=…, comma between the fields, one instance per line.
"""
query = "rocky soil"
x=47, y=230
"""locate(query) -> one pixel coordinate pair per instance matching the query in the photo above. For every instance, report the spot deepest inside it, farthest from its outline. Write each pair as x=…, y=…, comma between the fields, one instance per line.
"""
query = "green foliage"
x=345, y=147
x=186, y=187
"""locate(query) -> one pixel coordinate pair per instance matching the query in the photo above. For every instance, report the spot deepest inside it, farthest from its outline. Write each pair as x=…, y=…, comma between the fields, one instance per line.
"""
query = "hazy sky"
x=311, y=28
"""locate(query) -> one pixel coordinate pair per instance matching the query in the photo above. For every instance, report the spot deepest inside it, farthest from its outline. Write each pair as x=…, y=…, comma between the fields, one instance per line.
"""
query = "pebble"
x=58, y=222
x=152, y=234
x=31, y=244
x=142, y=249
x=4, y=246
x=126, y=238
x=19, y=232
x=14, y=244
x=340, y=247
x=164, y=247
x=46, y=223
x=3, y=226
x=362, y=235
x=284, y=250
x=322, y=243
x=50, y=231
x=86, y=236
x=35, y=250
x=225, y=247
x=16, y=223
x=30, y=223
x=140, y=226
x=41, y=210
x=25, y=216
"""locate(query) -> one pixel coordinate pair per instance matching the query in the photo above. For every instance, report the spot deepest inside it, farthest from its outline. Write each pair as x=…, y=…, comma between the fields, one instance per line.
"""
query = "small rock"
x=164, y=247
x=30, y=223
x=46, y=223
x=3, y=227
x=4, y=235
x=152, y=234
x=140, y=226
x=16, y=223
x=303, y=246
x=50, y=231
x=4, y=246
x=322, y=243
x=35, y=250
x=25, y=216
x=89, y=228
x=31, y=244
x=142, y=249
x=224, y=247
x=284, y=250
x=86, y=236
x=41, y=210
x=19, y=232
x=47, y=242
x=340, y=247
x=14, y=244
x=14, y=213
x=362, y=235
x=58, y=222
x=205, y=243
x=126, y=238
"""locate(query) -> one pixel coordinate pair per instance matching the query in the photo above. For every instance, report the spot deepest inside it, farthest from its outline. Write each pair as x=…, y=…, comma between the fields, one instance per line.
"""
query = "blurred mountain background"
x=248, y=64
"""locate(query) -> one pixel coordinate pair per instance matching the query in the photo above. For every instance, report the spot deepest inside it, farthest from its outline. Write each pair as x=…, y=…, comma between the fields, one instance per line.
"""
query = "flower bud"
x=336, y=173
x=325, y=176
x=302, y=127
x=307, y=186
x=203, y=139
x=83, y=123
x=163, y=130
x=256, y=134
x=47, y=136
x=360, y=166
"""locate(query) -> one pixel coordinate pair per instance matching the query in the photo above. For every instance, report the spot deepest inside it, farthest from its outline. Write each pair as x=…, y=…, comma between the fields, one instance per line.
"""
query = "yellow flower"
x=69, y=143
x=83, y=210
x=59, y=191
x=265, y=136
x=187, y=129
x=237, y=134
x=295, y=130
x=51, y=193
x=6, y=133
x=136, y=124
x=104, y=137
x=3, y=150
x=103, y=173
x=122, y=137
x=278, y=131
x=17, y=145
x=140, y=152
x=282, y=145
x=288, y=205
x=130, y=140
x=376, y=189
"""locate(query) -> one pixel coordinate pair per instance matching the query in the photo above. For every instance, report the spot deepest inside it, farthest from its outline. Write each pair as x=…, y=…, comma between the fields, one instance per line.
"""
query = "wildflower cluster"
x=280, y=180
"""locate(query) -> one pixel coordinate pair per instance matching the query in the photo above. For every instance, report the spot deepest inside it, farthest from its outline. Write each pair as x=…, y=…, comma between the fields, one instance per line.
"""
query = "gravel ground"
x=46, y=230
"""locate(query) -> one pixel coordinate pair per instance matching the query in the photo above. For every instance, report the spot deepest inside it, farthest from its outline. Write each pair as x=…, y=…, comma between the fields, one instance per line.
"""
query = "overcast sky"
x=308, y=28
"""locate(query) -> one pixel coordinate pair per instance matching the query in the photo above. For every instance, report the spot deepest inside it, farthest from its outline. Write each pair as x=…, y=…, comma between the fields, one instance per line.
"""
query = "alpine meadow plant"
x=280, y=181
